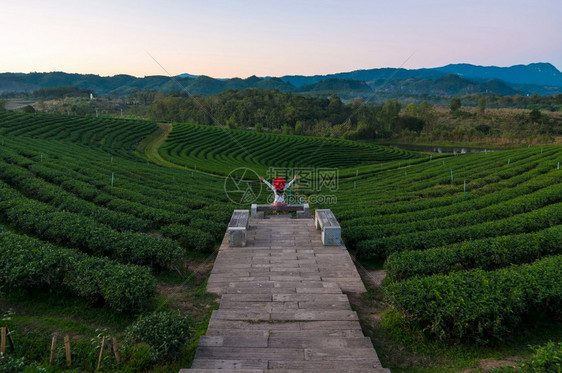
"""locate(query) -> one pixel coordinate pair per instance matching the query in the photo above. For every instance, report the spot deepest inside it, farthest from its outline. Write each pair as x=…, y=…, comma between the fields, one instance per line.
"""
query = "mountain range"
x=450, y=80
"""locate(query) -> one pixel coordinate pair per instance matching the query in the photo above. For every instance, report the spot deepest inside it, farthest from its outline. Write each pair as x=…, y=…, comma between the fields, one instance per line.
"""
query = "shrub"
x=487, y=254
x=547, y=359
x=479, y=305
x=10, y=364
x=165, y=332
x=29, y=263
x=192, y=239
x=78, y=231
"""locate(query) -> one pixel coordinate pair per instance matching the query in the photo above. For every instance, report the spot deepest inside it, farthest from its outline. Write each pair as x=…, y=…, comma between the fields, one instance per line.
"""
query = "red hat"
x=279, y=183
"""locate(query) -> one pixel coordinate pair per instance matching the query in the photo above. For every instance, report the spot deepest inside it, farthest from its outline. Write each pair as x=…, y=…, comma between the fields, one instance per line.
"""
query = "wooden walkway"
x=282, y=305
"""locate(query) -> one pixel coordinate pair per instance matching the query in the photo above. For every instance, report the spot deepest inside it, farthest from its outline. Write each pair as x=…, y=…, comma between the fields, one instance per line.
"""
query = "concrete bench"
x=237, y=228
x=331, y=231
x=303, y=211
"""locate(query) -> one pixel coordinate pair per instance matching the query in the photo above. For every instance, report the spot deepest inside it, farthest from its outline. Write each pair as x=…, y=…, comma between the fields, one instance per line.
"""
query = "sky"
x=240, y=38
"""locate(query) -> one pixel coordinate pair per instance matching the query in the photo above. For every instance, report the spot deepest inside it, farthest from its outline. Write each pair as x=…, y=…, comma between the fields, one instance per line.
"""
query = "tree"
x=455, y=104
x=28, y=109
x=3, y=103
x=390, y=112
x=411, y=110
x=535, y=115
x=259, y=127
x=482, y=105
x=299, y=127
x=286, y=130
x=483, y=129
x=411, y=124
x=426, y=112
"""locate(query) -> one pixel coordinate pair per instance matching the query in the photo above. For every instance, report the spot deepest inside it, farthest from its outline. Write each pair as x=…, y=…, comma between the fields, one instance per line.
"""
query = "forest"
x=461, y=119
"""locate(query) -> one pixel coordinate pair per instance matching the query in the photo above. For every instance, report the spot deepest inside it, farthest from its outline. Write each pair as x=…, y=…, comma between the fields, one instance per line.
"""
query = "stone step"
x=289, y=305
x=352, y=366
x=286, y=315
x=239, y=365
x=300, y=333
x=282, y=308
x=249, y=325
x=295, y=341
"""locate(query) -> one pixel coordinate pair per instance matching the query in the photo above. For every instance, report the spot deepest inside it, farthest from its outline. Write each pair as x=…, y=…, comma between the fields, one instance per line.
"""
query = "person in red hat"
x=279, y=187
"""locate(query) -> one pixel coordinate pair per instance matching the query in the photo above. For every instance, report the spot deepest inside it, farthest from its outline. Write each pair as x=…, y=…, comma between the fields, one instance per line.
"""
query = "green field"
x=93, y=234
x=219, y=150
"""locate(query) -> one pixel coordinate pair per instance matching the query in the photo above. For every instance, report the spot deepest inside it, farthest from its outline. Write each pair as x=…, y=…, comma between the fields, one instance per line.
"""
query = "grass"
x=38, y=316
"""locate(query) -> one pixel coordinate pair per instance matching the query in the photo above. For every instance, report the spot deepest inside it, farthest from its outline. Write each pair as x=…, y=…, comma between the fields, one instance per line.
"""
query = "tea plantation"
x=471, y=243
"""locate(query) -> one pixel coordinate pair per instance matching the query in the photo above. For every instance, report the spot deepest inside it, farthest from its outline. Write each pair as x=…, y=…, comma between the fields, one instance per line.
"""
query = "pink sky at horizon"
x=266, y=38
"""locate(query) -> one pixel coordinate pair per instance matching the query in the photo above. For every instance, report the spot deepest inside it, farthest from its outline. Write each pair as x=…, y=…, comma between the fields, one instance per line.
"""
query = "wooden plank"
x=315, y=315
x=101, y=352
x=3, y=340
x=332, y=219
x=339, y=353
x=231, y=364
x=115, y=348
x=282, y=305
x=67, y=351
x=358, y=365
x=291, y=207
x=248, y=353
x=234, y=341
x=315, y=333
x=53, y=345
x=239, y=219
x=320, y=342
x=10, y=339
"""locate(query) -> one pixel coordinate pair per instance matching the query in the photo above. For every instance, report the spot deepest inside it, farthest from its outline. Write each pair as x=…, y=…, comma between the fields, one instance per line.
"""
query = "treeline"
x=549, y=103
x=288, y=113
x=50, y=93
x=473, y=118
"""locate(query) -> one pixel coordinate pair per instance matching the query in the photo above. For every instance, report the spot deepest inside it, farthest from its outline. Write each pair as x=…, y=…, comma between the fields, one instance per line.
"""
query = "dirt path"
x=148, y=148
x=150, y=145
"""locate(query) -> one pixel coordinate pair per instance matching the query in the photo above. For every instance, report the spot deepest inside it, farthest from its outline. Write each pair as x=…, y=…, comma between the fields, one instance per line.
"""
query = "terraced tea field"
x=461, y=221
x=471, y=243
x=219, y=150
x=83, y=205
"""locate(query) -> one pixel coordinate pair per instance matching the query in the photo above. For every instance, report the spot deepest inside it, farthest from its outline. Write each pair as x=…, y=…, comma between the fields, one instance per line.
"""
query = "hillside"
x=534, y=73
x=541, y=78
x=532, y=78
x=447, y=85
x=220, y=150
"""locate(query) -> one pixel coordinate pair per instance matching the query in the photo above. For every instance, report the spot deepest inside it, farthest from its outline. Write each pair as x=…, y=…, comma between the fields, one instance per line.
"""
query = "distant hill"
x=364, y=75
x=534, y=73
x=450, y=80
x=125, y=84
x=335, y=85
x=541, y=78
x=447, y=85
x=185, y=75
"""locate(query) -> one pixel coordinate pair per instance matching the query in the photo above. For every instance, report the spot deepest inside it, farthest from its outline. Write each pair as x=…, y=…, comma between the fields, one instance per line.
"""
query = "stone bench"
x=331, y=231
x=237, y=228
x=303, y=211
